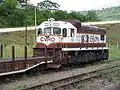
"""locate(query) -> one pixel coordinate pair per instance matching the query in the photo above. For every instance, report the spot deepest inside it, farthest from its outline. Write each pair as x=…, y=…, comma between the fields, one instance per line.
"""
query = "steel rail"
x=96, y=75
x=70, y=80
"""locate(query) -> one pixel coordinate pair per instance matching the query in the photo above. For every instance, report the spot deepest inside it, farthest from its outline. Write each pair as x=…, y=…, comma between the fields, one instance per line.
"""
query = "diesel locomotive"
x=70, y=42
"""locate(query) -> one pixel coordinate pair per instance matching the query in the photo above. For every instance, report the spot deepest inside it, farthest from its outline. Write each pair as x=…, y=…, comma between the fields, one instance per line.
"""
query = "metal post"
x=61, y=49
x=46, y=54
x=117, y=46
x=26, y=24
x=13, y=53
x=1, y=51
x=35, y=25
x=13, y=58
x=25, y=55
x=54, y=53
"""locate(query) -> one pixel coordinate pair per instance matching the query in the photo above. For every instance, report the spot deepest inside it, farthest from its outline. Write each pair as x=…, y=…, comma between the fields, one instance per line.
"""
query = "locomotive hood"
x=62, y=24
x=74, y=22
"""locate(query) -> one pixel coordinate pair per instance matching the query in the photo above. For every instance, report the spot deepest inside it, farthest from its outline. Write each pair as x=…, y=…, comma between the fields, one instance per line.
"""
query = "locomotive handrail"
x=24, y=70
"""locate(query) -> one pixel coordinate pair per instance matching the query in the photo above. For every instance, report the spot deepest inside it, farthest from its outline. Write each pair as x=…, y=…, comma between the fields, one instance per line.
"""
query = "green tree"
x=11, y=15
x=17, y=18
x=1, y=1
x=48, y=5
x=12, y=3
x=92, y=16
x=60, y=15
x=73, y=15
x=77, y=15
x=3, y=22
x=7, y=7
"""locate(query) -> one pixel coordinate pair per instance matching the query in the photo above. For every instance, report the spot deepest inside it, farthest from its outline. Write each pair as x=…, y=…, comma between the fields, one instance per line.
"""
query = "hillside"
x=17, y=38
x=107, y=14
x=113, y=33
x=112, y=13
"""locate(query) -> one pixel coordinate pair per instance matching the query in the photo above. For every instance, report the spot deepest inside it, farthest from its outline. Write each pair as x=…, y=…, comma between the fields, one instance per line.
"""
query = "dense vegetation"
x=13, y=13
x=112, y=13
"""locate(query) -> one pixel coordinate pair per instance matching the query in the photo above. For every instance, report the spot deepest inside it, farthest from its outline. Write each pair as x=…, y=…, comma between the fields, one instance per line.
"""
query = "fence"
x=114, y=51
x=15, y=51
x=19, y=51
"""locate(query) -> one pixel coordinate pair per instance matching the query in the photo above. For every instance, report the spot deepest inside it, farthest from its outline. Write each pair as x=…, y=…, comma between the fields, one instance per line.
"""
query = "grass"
x=114, y=52
x=113, y=76
x=113, y=31
x=19, y=51
x=17, y=39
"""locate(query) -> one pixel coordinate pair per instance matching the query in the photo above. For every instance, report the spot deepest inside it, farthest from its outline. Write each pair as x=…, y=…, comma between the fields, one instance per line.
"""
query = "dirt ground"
x=110, y=81
x=98, y=84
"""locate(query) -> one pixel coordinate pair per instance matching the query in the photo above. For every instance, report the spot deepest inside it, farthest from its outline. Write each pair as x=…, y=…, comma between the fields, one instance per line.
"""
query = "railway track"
x=53, y=77
x=64, y=82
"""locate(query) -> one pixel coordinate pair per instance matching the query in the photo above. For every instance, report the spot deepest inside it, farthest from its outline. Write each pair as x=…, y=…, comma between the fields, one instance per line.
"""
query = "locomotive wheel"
x=105, y=56
x=82, y=58
x=86, y=57
x=94, y=57
x=90, y=57
x=98, y=56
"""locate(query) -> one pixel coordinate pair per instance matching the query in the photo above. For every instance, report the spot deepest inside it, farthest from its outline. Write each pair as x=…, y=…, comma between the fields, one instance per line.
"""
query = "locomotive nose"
x=46, y=36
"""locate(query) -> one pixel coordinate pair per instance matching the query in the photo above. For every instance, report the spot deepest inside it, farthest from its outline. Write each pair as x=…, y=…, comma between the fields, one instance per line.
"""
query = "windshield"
x=52, y=30
x=47, y=30
x=56, y=30
x=39, y=31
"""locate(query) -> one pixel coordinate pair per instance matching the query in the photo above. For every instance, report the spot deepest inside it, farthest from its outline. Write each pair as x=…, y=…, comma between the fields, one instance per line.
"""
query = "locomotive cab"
x=55, y=32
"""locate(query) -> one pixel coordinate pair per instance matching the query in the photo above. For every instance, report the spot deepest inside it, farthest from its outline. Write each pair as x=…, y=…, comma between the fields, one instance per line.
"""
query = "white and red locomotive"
x=67, y=41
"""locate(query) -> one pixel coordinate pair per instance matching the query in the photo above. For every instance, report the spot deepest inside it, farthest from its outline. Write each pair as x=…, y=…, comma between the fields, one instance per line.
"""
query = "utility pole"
x=35, y=25
x=35, y=19
x=26, y=23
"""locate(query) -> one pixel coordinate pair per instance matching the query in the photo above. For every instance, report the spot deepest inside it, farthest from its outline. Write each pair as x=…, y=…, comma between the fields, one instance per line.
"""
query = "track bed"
x=49, y=77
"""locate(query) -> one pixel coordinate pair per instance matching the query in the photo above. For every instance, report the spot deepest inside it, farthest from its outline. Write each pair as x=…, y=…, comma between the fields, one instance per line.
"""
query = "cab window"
x=56, y=30
x=47, y=30
x=102, y=37
x=64, y=33
x=39, y=31
x=72, y=33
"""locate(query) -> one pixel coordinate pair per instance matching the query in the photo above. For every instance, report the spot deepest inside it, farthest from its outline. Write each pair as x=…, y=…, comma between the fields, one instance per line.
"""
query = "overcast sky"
x=81, y=5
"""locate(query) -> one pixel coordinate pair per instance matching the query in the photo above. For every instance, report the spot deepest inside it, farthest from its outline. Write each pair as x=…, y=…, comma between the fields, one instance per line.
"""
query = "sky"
x=83, y=5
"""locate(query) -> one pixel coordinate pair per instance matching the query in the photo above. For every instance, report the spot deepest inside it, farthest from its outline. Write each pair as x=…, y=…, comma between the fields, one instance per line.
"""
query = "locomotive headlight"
x=47, y=34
